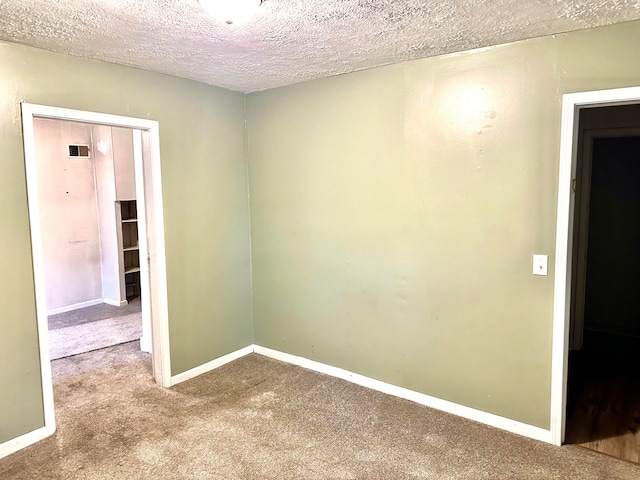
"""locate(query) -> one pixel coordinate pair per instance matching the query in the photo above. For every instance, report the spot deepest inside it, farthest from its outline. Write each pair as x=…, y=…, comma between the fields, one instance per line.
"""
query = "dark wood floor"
x=604, y=397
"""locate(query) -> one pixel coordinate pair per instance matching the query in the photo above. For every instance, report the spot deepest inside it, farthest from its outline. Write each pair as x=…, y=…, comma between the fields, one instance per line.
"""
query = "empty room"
x=366, y=241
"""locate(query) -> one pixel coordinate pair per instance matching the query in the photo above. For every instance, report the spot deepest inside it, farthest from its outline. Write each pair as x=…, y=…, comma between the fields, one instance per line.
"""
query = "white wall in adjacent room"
x=123, y=163
x=112, y=290
x=68, y=215
x=78, y=210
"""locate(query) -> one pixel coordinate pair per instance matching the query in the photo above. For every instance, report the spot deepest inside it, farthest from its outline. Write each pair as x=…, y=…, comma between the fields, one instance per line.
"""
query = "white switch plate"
x=540, y=264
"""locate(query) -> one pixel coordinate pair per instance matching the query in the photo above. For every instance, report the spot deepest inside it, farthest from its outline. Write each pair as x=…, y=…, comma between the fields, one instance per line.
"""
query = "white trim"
x=503, y=423
x=38, y=270
x=161, y=351
x=76, y=306
x=146, y=344
x=571, y=104
x=45, y=111
x=212, y=365
x=115, y=303
x=143, y=252
x=23, y=441
x=161, y=358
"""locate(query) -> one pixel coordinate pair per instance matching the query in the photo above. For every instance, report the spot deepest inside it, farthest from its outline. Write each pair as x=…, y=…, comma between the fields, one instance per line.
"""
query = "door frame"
x=572, y=103
x=155, y=290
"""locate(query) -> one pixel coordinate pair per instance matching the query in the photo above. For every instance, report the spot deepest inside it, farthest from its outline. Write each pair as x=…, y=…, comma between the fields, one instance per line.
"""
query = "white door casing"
x=572, y=103
x=153, y=287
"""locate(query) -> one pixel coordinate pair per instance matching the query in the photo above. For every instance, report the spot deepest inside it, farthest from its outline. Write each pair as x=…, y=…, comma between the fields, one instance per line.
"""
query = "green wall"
x=395, y=211
x=202, y=148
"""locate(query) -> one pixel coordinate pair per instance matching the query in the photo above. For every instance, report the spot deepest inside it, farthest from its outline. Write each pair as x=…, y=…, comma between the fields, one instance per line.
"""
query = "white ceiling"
x=289, y=41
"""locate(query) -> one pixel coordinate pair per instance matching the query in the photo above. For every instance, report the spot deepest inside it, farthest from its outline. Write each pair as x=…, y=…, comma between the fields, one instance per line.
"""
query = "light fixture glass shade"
x=103, y=147
x=231, y=11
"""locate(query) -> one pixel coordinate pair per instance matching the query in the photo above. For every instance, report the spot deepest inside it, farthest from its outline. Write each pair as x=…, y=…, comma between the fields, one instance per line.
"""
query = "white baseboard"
x=503, y=423
x=213, y=364
x=23, y=441
x=75, y=306
x=90, y=303
x=115, y=303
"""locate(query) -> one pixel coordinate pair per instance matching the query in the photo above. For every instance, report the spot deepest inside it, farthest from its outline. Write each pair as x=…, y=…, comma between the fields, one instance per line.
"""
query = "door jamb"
x=572, y=103
x=146, y=344
x=158, y=285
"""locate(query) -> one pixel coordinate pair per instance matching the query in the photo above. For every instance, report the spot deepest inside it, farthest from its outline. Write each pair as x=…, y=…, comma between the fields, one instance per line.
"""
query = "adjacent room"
x=380, y=240
x=88, y=220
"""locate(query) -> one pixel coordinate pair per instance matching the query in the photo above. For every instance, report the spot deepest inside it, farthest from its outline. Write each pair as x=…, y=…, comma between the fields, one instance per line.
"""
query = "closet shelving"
x=130, y=247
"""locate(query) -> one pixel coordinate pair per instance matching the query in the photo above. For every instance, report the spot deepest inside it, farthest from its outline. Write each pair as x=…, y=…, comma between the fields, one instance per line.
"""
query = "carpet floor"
x=93, y=313
x=257, y=418
x=86, y=337
x=92, y=328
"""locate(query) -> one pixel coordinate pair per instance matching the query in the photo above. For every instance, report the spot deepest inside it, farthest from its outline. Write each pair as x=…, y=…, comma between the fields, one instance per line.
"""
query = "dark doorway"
x=603, y=406
x=613, y=255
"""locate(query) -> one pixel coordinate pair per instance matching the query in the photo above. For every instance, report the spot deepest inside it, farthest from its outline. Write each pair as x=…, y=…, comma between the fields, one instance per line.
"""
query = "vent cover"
x=79, y=151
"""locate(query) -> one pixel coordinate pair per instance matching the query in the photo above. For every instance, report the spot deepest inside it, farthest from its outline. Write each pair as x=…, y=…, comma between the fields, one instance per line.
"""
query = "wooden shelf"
x=130, y=250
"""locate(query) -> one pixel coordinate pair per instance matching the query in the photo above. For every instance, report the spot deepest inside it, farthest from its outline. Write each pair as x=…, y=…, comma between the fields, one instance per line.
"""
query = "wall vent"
x=79, y=151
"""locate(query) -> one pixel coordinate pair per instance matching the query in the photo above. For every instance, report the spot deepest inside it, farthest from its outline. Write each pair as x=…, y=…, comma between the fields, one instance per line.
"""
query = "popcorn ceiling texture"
x=289, y=41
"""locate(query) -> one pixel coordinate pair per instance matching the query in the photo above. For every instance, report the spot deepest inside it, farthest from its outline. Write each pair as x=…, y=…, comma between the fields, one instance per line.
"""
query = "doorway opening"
x=90, y=240
x=118, y=244
x=603, y=393
x=595, y=389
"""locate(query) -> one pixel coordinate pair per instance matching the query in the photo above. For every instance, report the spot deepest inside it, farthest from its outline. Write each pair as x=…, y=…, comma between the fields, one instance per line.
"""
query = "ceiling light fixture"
x=231, y=11
x=103, y=147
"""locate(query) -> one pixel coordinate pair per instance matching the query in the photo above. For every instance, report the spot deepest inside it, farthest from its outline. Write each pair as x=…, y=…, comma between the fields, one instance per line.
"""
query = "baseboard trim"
x=212, y=365
x=23, y=441
x=75, y=306
x=115, y=303
x=490, y=419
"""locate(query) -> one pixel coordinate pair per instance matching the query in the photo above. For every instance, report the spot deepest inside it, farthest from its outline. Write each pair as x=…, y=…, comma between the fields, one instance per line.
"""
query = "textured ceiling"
x=289, y=41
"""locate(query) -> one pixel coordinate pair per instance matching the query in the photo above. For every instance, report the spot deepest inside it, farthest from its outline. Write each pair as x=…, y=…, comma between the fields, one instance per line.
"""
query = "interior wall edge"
x=248, y=185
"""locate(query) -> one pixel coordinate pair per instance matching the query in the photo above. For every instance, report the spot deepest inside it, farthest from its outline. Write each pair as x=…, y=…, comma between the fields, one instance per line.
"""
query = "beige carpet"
x=86, y=337
x=257, y=418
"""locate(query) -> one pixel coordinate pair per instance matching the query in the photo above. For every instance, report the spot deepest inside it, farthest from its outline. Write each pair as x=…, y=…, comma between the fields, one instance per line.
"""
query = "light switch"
x=540, y=264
